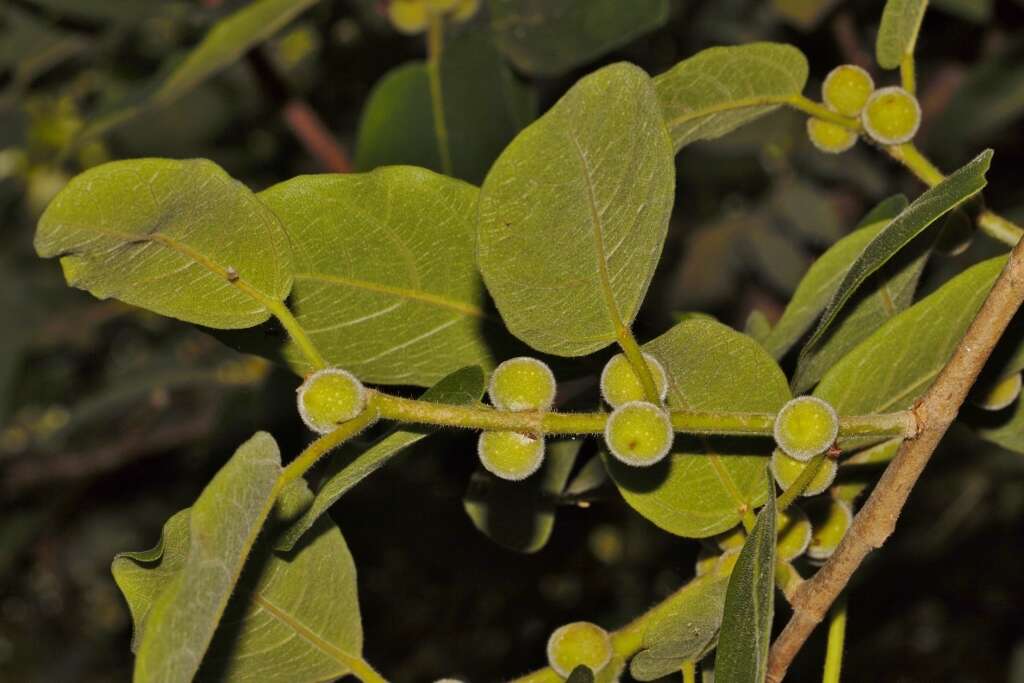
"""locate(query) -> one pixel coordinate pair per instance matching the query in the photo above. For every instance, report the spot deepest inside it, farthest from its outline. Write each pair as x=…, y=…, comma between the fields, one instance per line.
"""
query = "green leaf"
x=177, y=606
x=685, y=630
x=897, y=35
x=550, y=37
x=574, y=213
x=701, y=488
x=397, y=124
x=520, y=515
x=912, y=221
x=894, y=366
x=170, y=236
x=225, y=44
x=822, y=279
x=722, y=88
x=465, y=386
x=482, y=103
x=275, y=628
x=746, y=633
x=385, y=272
x=1003, y=427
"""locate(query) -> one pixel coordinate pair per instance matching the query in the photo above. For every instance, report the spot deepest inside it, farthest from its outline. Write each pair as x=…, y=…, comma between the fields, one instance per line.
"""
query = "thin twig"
x=877, y=519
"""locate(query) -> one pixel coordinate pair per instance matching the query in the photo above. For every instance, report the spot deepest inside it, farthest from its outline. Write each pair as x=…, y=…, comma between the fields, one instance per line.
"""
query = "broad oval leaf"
x=385, y=277
x=823, y=277
x=897, y=34
x=178, y=607
x=742, y=655
x=181, y=238
x=275, y=628
x=911, y=222
x=1003, y=427
x=685, y=629
x=465, y=386
x=701, y=488
x=894, y=366
x=574, y=213
x=482, y=107
x=520, y=515
x=397, y=123
x=549, y=37
x=722, y=88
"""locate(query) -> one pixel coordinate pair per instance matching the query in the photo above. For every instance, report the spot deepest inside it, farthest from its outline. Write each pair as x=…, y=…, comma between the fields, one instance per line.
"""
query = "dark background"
x=111, y=418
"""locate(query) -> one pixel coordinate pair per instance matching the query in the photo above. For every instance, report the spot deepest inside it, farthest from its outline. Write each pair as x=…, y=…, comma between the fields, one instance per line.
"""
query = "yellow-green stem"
x=819, y=111
x=807, y=475
x=908, y=77
x=635, y=356
x=684, y=421
x=689, y=672
x=435, y=49
x=836, y=640
x=999, y=228
x=297, y=334
x=316, y=450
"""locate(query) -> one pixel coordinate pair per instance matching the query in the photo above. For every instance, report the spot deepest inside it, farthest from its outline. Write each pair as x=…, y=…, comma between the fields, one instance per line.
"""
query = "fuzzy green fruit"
x=891, y=116
x=522, y=383
x=1001, y=394
x=805, y=427
x=620, y=384
x=510, y=455
x=793, y=533
x=639, y=433
x=846, y=89
x=830, y=520
x=829, y=137
x=580, y=642
x=786, y=469
x=733, y=539
x=329, y=397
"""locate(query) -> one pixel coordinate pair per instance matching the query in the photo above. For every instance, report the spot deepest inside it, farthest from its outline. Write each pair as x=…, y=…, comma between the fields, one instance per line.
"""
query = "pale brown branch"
x=877, y=519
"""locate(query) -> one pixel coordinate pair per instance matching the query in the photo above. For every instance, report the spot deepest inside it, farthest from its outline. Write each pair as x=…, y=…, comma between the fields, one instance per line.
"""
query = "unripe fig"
x=510, y=455
x=805, y=427
x=580, y=642
x=829, y=137
x=891, y=116
x=522, y=383
x=846, y=89
x=408, y=16
x=620, y=384
x=639, y=433
x=830, y=520
x=786, y=469
x=793, y=533
x=329, y=397
x=1001, y=394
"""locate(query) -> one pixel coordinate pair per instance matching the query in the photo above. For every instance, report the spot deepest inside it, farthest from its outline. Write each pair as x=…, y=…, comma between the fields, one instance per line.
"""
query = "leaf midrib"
x=349, y=661
x=402, y=292
x=597, y=229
